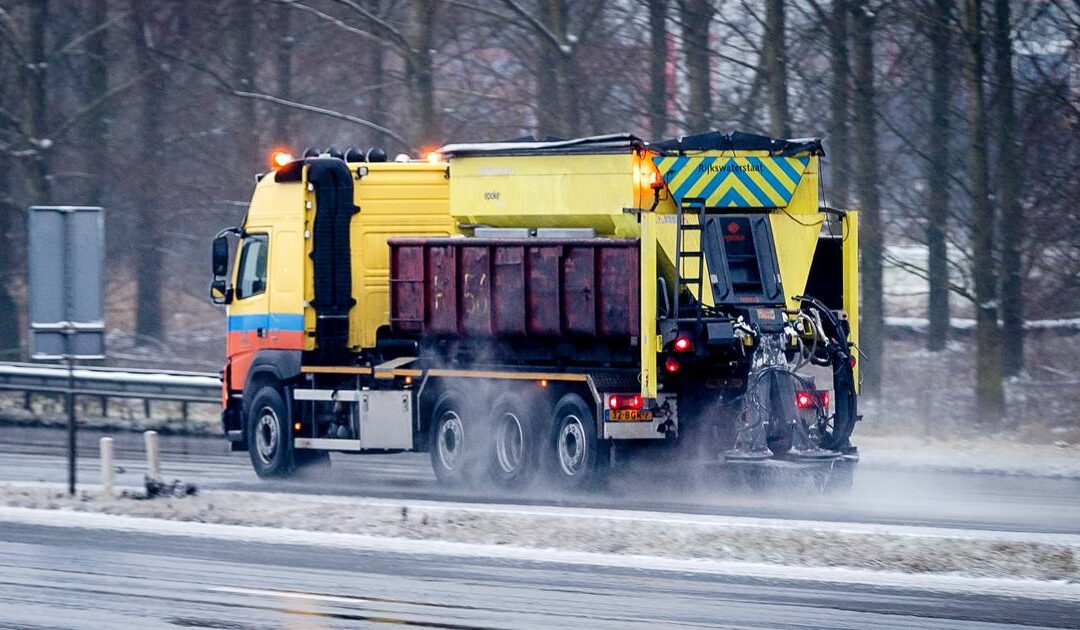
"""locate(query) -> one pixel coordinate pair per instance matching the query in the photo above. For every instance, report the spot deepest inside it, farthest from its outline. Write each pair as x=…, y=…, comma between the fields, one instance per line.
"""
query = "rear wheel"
x=514, y=448
x=574, y=452
x=452, y=440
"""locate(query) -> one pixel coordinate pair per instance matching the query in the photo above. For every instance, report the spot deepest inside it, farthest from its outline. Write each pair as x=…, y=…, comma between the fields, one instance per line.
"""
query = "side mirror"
x=221, y=257
x=220, y=291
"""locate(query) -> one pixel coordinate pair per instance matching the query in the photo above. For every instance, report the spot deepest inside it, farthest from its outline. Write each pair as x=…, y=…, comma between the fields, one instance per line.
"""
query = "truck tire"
x=451, y=443
x=514, y=448
x=269, y=436
x=573, y=451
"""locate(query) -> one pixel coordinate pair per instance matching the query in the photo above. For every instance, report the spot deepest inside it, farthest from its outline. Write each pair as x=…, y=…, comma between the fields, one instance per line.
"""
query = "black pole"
x=72, y=426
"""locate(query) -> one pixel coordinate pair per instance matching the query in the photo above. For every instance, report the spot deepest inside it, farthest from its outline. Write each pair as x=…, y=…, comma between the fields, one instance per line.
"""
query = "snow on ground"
x=990, y=454
x=611, y=533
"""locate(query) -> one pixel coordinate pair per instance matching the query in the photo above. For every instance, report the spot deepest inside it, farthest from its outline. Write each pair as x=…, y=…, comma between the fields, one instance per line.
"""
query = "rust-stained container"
x=515, y=288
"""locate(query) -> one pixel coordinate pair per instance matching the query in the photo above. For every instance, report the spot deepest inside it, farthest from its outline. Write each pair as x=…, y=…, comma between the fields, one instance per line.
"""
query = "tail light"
x=816, y=398
x=625, y=401
x=683, y=344
x=672, y=365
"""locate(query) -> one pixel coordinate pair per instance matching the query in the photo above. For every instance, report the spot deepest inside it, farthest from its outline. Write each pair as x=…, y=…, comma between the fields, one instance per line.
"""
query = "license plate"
x=631, y=415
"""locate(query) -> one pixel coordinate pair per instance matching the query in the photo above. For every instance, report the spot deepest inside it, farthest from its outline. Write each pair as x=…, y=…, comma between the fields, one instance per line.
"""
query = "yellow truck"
x=529, y=308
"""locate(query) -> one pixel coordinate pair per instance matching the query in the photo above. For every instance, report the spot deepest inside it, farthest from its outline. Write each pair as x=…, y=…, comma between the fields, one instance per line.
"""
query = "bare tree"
x=9, y=315
x=148, y=246
x=937, y=209
x=245, y=125
x=36, y=90
x=872, y=313
x=420, y=74
x=839, y=106
x=696, y=16
x=989, y=397
x=1012, y=215
x=283, y=131
x=97, y=80
x=775, y=47
x=658, y=62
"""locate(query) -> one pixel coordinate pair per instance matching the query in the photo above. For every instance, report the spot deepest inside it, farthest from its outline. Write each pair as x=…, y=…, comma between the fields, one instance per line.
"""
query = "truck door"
x=249, y=312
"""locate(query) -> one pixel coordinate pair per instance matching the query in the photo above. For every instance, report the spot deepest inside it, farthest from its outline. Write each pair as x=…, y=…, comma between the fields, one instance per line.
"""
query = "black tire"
x=450, y=441
x=574, y=454
x=269, y=435
x=514, y=444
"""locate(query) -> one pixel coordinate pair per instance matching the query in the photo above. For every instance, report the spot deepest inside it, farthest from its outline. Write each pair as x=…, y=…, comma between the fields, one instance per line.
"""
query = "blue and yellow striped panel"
x=733, y=182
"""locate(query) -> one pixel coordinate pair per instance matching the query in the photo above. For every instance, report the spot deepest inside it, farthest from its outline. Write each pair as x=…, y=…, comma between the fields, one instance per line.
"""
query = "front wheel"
x=574, y=454
x=268, y=436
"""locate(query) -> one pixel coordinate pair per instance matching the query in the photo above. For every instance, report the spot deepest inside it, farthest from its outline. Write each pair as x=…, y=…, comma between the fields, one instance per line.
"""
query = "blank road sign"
x=67, y=282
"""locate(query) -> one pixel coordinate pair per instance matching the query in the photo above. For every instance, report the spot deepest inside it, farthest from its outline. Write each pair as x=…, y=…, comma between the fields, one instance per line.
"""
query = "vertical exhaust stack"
x=331, y=181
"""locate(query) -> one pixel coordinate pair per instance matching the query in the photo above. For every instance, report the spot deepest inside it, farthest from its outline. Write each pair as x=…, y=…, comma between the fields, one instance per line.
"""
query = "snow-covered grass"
x=986, y=454
x=611, y=532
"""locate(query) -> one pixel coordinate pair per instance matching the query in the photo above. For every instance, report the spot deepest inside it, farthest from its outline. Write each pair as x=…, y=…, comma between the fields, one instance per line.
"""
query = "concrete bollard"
x=107, y=468
x=153, y=455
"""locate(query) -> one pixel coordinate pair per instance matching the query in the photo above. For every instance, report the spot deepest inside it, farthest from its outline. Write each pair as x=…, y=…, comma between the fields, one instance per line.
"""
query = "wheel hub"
x=509, y=443
x=572, y=447
x=267, y=434
x=450, y=441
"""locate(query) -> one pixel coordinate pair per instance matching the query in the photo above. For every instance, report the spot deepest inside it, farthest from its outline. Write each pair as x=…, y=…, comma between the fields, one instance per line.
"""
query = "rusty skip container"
x=515, y=288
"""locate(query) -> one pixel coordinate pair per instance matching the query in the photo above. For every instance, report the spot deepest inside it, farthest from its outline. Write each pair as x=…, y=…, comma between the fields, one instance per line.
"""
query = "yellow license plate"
x=631, y=415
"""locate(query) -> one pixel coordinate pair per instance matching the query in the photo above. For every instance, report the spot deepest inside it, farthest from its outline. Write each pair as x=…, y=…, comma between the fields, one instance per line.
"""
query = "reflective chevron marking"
x=733, y=182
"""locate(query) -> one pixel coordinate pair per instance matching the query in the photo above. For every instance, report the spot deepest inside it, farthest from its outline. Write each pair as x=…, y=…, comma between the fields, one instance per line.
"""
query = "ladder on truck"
x=683, y=253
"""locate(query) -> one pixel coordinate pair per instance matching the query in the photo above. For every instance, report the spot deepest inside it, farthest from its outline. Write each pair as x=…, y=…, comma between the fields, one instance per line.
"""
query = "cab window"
x=251, y=278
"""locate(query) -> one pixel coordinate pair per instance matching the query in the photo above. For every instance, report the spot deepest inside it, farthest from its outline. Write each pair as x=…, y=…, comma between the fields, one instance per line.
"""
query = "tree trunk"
x=148, y=244
x=9, y=313
x=36, y=86
x=377, y=63
x=97, y=128
x=1012, y=215
x=696, y=16
x=872, y=316
x=245, y=128
x=937, y=217
x=774, y=48
x=839, y=97
x=658, y=61
x=283, y=17
x=989, y=397
x=558, y=110
x=420, y=75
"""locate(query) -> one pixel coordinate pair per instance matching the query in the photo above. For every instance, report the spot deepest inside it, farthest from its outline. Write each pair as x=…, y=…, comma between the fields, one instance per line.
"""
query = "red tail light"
x=672, y=365
x=625, y=401
x=811, y=399
x=683, y=344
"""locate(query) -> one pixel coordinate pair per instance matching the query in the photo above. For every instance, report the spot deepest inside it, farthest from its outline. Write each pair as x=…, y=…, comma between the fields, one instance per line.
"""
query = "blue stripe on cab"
x=269, y=321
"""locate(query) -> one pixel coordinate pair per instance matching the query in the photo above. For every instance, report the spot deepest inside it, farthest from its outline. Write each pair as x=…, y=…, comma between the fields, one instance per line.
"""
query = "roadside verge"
x=920, y=557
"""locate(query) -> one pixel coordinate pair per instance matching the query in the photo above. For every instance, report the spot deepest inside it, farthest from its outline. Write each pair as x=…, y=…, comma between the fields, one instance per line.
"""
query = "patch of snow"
x=1055, y=590
x=610, y=534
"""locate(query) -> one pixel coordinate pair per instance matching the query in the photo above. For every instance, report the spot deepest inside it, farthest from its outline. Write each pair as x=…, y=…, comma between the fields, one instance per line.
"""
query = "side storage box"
x=515, y=288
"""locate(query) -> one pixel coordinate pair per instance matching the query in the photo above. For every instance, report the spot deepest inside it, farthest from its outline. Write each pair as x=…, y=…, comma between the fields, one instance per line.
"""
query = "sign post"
x=67, y=294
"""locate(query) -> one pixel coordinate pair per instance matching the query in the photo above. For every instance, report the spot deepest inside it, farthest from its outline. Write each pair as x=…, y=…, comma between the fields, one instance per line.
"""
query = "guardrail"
x=105, y=383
